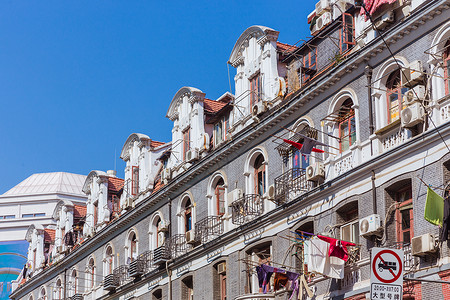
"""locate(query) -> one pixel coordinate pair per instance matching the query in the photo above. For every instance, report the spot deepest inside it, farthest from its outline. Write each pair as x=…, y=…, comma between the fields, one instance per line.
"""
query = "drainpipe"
x=169, y=272
x=65, y=283
x=374, y=193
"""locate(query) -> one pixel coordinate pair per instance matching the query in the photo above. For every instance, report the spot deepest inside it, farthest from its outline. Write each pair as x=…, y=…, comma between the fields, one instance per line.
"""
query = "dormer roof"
x=172, y=112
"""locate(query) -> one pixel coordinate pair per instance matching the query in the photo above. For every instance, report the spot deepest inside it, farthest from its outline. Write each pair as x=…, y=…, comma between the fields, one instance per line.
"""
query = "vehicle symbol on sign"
x=387, y=265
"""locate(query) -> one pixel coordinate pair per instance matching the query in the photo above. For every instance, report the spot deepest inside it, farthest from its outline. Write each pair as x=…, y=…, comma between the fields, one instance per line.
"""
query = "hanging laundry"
x=446, y=220
x=334, y=267
x=372, y=6
x=434, y=208
x=293, y=279
x=264, y=273
x=320, y=261
x=337, y=248
x=304, y=285
x=280, y=280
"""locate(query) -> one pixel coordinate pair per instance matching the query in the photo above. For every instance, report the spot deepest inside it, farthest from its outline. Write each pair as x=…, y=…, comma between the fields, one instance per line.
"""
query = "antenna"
x=115, y=159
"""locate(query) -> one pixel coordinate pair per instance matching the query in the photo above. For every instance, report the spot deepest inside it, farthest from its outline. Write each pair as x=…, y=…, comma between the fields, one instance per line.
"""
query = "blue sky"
x=78, y=77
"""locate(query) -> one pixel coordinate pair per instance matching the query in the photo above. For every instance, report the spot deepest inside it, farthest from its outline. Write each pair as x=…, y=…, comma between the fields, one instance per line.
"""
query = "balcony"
x=141, y=265
x=121, y=276
x=354, y=255
x=178, y=245
x=208, y=228
x=161, y=254
x=290, y=185
x=247, y=208
x=76, y=297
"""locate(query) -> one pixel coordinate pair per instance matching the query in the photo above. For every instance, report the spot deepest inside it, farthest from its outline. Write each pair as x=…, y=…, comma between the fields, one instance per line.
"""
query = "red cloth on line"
x=373, y=5
x=338, y=248
x=296, y=145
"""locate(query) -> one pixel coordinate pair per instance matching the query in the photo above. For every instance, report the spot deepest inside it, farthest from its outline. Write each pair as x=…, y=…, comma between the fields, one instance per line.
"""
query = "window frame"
x=220, y=203
x=309, y=62
x=134, y=180
x=394, y=87
x=401, y=206
x=345, y=33
x=347, y=119
x=446, y=65
x=259, y=176
x=186, y=142
x=255, y=88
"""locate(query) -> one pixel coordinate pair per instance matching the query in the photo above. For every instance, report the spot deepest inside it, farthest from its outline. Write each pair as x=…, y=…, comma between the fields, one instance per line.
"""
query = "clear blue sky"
x=78, y=77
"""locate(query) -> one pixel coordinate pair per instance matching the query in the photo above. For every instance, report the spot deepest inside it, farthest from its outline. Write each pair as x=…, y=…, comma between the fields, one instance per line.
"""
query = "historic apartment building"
x=368, y=96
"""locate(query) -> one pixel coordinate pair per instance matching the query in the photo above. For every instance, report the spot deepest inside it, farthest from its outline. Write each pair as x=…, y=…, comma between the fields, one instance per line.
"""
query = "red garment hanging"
x=338, y=248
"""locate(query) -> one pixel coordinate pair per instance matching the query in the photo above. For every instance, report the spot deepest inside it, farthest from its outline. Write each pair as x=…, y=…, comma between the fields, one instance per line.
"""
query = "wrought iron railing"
x=247, y=208
x=354, y=255
x=141, y=265
x=121, y=276
x=208, y=228
x=409, y=261
x=177, y=245
x=292, y=182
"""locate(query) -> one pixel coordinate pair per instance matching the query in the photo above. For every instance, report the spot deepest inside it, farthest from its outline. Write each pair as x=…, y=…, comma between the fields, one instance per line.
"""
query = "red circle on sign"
x=375, y=272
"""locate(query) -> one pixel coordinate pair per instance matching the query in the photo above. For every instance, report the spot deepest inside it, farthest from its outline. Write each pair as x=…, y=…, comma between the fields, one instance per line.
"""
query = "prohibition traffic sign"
x=386, y=269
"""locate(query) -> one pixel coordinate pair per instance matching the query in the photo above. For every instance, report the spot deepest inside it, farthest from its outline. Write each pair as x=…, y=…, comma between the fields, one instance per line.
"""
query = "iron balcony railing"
x=208, y=228
x=121, y=276
x=291, y=184
x=141, y=265
x=354, y=255
x=178, y=245
x=247, y=208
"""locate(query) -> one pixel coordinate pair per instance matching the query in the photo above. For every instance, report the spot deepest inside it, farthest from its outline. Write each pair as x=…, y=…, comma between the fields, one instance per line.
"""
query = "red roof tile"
x=285, y=47
x=155, y=144
x=79, y=211
x=115, y=184
x=212, y=106
x=49, y=235
x=158, y=183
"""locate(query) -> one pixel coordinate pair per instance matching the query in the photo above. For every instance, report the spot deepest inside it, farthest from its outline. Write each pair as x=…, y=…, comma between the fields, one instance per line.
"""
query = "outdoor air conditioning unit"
x=259, y=108
x=314, y=29
x=369, y=225
x=423, y=244
x=192, y=155
x=413, y=74
x=315, y=172
x=412, y=115
x=340, y=7
x=322, y=6
x=270, y=194
x=190, y=237
x=222, y=268
x=235, y=195
x=410, y=95
x=323, y=21
x=160, y=255
x=128, y=203
x=163, y=226
x=385, y=20
x=166, y=174
x=135, y=269
x=108, y=283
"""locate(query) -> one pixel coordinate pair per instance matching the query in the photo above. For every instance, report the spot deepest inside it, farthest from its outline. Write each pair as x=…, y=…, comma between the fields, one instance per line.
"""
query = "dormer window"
x=309, y=65
x=135, y=181
x=186, y=142
x=221, y=129
x=255, y=89
x=348, y=32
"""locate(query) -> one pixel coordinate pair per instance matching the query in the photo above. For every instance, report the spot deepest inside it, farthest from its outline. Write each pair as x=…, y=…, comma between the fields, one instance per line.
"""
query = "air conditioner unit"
x=270, y=194
x=423, y=244
x=385, y=20
x=222, y=268
x=410, y=96
x=108, y=283
x=413, y=74
x=315, y=172
x=166, y=174
x=190, y=237
x=412, y=115
x=160, y=255
x=259, y=108
x=235, y=195
x=314, y=29
x=192, y=155
x=369, y=225
x=135, y=269
x=341, y=6
x=323, y=21
x=163, y=226
x=322, y=6
x=128, y=203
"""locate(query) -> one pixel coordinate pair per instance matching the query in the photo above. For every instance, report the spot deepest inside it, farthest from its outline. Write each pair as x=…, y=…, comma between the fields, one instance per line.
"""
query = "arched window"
x=160, y=237
x=446, y=57
x=90, y=274
x=346, y=125
x=109, y=260
x=219, y=197
x=132, y=246
x=394, y=96
x=257, y=255
x=73, y=283
x=43, y=294
x=259, y=176
x=187, y=214
x=58, y=293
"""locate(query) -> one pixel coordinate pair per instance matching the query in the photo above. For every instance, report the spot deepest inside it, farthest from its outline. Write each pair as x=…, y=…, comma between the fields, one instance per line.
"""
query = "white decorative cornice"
x=238, y=61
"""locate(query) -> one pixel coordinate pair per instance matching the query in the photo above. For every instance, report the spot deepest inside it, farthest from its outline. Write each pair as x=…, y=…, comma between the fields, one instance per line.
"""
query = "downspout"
x=368, y=71
x=169, y=272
